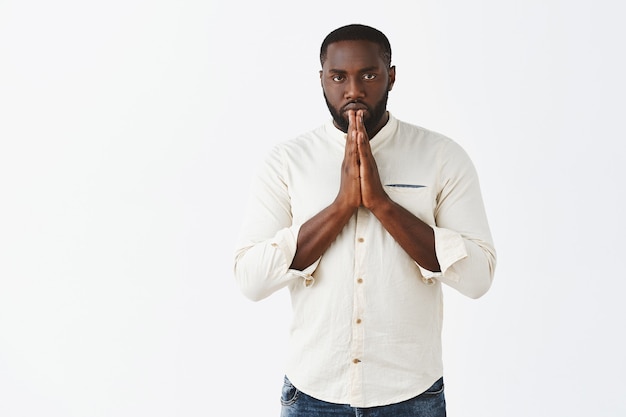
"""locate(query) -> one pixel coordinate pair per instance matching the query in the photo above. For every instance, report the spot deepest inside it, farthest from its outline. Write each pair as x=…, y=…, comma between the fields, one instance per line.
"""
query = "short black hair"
x=357, y=32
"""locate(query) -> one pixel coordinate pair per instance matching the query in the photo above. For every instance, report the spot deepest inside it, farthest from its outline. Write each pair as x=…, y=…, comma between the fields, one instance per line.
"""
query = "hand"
x=372, y=192
x=350, y=188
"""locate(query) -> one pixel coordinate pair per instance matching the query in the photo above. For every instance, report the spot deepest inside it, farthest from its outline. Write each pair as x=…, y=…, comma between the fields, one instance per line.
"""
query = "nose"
x=354, y=89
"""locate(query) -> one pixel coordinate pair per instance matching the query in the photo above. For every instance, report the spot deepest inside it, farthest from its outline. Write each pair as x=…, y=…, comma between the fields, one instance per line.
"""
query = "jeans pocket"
x=289, y=394
x=435, y=389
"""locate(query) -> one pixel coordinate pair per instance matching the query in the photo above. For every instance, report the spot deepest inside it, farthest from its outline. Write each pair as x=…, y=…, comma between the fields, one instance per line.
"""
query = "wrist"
x=380, y=206
x=343, y=208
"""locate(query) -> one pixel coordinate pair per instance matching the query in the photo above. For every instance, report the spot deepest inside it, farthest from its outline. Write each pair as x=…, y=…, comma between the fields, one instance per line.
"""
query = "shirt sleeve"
x=268, y=237
x=463, y=241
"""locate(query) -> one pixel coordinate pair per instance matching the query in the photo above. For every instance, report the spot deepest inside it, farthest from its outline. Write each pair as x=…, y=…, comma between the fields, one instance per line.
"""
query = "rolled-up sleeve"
x=268, y=237
x=463, y=241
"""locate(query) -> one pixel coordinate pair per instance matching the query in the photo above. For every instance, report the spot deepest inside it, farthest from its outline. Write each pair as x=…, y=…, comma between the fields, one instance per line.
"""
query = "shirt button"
x=358, y=321
x=355, y=360
x=361, y=240
x=428, y=281
x=360, y=280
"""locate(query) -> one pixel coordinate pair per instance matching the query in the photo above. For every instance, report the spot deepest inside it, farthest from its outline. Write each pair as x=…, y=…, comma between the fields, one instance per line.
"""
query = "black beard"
x=375, y=115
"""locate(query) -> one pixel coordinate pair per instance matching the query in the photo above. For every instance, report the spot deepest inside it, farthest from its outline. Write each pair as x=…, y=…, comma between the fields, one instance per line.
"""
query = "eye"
x=337, y=78
x=369, y=76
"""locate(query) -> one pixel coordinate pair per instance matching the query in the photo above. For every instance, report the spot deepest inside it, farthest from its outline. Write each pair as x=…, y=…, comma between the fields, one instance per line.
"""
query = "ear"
x=392, y=77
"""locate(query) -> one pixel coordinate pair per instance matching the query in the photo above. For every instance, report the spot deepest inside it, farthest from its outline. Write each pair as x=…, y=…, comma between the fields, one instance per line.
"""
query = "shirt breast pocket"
x=417, y=199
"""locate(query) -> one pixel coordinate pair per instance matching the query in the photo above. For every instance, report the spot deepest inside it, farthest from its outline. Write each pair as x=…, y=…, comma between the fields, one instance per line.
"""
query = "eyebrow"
x=367, y=69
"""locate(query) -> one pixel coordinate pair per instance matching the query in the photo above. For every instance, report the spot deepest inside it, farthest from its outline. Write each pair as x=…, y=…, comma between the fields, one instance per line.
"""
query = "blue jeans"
x=430, y=403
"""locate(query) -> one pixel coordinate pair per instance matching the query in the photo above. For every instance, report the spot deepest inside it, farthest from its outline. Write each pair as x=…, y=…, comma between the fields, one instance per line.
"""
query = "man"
x=363, y=219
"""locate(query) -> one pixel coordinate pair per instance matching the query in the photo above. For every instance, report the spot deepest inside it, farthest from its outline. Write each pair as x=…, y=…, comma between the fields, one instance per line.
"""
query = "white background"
x=130, y=129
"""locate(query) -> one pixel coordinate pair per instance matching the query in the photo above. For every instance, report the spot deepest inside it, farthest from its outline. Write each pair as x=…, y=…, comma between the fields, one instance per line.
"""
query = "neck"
x=381, y=123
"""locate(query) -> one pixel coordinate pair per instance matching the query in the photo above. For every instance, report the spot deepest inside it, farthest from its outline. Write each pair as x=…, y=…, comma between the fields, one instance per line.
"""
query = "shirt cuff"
x=449, y=249
x=286, y=241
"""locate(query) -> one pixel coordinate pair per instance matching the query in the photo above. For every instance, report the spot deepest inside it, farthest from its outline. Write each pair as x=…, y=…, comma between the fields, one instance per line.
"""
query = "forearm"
x=412, y=234
x=318, y=233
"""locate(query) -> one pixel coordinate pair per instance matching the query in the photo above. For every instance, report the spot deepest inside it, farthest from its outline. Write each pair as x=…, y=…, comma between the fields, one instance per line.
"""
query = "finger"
x=362, y=149
x=363, y=144
x=351, y=149
x=352, y=123
x=360, y=122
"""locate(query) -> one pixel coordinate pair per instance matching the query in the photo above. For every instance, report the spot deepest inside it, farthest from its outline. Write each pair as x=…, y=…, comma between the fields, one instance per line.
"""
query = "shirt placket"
x=359, y=305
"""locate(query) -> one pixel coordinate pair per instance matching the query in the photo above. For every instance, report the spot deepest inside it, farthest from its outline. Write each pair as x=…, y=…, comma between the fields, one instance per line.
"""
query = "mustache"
x=345, y=107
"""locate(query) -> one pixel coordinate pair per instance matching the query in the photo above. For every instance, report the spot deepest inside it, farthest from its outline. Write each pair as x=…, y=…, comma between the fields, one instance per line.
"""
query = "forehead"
x=345, y=55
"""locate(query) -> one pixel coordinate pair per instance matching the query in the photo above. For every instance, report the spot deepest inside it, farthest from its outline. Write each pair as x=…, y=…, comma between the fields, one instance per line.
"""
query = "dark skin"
x=355, y=79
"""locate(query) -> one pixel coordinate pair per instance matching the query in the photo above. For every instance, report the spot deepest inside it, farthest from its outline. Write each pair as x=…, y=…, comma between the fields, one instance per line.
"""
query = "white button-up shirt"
x=367, y=318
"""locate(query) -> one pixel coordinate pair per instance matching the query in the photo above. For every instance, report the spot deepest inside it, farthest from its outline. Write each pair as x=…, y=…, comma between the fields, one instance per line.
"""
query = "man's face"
x=354, y=77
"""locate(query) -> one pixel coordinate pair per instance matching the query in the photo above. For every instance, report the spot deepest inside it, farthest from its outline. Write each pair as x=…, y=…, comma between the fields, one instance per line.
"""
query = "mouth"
x=355, y=106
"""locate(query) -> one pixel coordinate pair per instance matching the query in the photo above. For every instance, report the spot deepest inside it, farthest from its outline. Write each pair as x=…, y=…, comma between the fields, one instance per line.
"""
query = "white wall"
x=129, y=131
